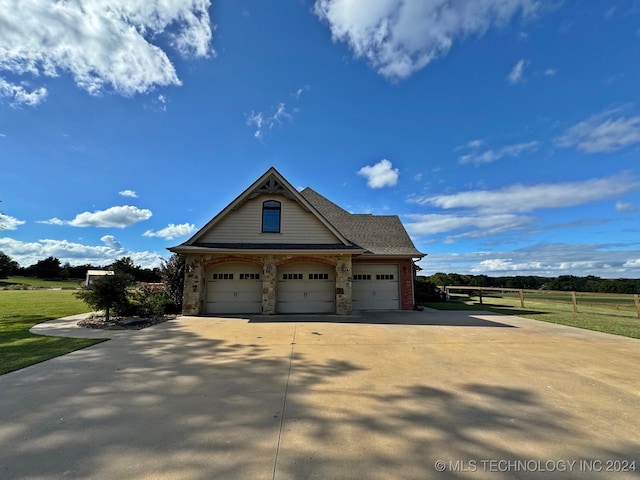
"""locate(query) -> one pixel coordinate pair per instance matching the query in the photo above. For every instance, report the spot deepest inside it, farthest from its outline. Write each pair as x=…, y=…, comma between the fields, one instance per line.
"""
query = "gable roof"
x=378, y=234
x=271, y=182
x=358, y=233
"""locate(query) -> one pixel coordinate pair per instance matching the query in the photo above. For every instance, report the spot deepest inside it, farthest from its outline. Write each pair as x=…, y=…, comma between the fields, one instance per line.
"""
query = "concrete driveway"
x=404, y=395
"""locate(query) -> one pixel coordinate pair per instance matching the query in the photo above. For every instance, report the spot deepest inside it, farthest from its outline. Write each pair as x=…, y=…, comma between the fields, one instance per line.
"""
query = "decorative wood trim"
x=233, y=259
x=304, y=259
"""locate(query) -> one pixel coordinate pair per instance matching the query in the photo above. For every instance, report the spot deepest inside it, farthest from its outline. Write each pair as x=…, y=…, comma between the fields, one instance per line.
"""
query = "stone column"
x=194, y=284
x=343, y=285
x=269, y=284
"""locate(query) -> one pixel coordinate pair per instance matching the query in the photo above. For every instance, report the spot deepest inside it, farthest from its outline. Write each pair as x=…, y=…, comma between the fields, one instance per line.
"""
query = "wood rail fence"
x=558, y=296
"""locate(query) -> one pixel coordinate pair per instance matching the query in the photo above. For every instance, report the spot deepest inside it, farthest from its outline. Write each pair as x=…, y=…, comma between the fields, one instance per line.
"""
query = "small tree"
x=126, y=266
x=106, y=292
x=7, y=265
x=47, y=268
x=172, y=273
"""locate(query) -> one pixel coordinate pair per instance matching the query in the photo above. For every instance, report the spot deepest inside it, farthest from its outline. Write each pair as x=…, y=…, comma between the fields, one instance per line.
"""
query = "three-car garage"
x=301, y=287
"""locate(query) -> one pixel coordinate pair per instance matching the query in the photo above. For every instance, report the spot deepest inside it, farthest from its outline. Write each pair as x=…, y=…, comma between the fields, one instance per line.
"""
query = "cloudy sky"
x=504, y=133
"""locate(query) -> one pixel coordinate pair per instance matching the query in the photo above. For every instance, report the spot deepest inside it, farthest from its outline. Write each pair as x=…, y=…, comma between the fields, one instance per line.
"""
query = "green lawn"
x=619, y=318
x=40, y=283
x=22, y=309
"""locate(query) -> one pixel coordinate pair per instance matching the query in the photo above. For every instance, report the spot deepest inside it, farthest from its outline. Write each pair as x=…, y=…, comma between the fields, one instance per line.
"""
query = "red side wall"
x=405, y=269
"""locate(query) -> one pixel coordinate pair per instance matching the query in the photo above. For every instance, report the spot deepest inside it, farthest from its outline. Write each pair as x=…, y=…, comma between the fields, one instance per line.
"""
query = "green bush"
x=146, y=301
x=426, y=291
x=107, y=292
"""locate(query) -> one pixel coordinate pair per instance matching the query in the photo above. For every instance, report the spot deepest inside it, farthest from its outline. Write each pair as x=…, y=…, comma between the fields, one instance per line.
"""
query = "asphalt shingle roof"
x=379, y=234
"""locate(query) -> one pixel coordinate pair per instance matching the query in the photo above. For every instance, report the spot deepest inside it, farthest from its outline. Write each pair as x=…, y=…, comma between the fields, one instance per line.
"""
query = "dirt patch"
x=122, y=323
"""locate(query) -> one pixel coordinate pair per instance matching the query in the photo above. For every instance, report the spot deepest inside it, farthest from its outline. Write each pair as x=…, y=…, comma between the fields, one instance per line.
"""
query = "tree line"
x=568, y=283
x=51, y=268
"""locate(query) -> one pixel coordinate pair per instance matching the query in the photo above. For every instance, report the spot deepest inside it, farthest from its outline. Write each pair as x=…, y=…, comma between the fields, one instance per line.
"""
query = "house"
x=276, y=250
x=93, y=274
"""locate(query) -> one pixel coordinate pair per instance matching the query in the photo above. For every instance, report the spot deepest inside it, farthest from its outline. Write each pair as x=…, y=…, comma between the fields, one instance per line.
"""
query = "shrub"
x=146, y=301
x=172, y=273
x=426, y=291
x=107, y=292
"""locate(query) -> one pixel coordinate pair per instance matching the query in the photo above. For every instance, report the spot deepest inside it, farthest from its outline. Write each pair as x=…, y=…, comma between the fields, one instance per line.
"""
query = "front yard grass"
x=22, y=309
x=32, y=282
x=613, y=321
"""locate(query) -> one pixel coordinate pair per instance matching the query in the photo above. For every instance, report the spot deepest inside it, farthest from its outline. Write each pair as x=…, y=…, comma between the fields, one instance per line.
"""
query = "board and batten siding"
x=245, y=225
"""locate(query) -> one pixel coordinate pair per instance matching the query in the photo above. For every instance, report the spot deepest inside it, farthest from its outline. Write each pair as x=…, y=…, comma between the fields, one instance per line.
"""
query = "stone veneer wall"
x=195, y=283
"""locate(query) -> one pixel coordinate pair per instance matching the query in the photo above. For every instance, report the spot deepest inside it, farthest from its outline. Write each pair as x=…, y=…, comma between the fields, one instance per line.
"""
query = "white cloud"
x=382, y=174
x=172, y=231
x=263, y=122
x=128, y=193
x=625, y=207
x=120, y=217
x=7, y=222
x=399, y=37
x=53, y=221
x=28, y=253
x=541, y=259
x=492, y=155
x=110, y=241
x=475, y=225
x=635, y=263
x=516, y=74
x=100, y=44
x=550, y=72
x=605, y=132
x=526, y=198
x=18, y=94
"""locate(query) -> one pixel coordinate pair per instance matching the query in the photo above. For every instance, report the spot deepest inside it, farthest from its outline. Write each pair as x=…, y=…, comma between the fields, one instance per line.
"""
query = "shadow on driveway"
x=427, y=317
x=201, y=398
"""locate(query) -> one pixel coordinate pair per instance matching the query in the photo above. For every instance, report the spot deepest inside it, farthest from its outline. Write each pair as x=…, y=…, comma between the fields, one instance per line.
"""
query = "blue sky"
x=504, y=133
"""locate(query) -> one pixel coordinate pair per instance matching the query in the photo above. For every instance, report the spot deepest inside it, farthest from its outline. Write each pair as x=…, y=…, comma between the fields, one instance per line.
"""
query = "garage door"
x=306, y=288
x=375, y=287
x=234, y=288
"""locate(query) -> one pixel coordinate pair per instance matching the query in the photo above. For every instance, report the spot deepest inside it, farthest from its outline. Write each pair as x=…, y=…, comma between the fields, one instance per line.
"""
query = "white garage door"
x=234, y=288
x=306, y=288
x=375, y=287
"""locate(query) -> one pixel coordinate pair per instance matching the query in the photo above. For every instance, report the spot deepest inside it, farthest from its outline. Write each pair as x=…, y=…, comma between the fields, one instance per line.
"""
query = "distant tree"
x=480, y=281
x=107, y=292
x=172, y=272
x=441, y=279
x=80, y=271
x=149, y=275
x=7, y=265
x=47, y=268
x=126, y=266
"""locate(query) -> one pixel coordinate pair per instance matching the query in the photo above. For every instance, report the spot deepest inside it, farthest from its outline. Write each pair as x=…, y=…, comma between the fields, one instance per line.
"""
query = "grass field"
x=603, y=313
x=22, y=309
x=40, y=283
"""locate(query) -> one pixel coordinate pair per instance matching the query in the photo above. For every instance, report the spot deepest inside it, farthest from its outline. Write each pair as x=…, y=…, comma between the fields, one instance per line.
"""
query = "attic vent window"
x=271, y=216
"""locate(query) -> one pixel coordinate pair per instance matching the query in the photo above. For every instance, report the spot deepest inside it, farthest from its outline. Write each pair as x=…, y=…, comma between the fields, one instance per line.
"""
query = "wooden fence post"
x=574, y=300
x=636, y=299
x=521, y=298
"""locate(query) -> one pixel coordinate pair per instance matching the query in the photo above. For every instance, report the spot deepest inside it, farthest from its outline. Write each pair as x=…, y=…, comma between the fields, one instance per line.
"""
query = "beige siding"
x=245, y=224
